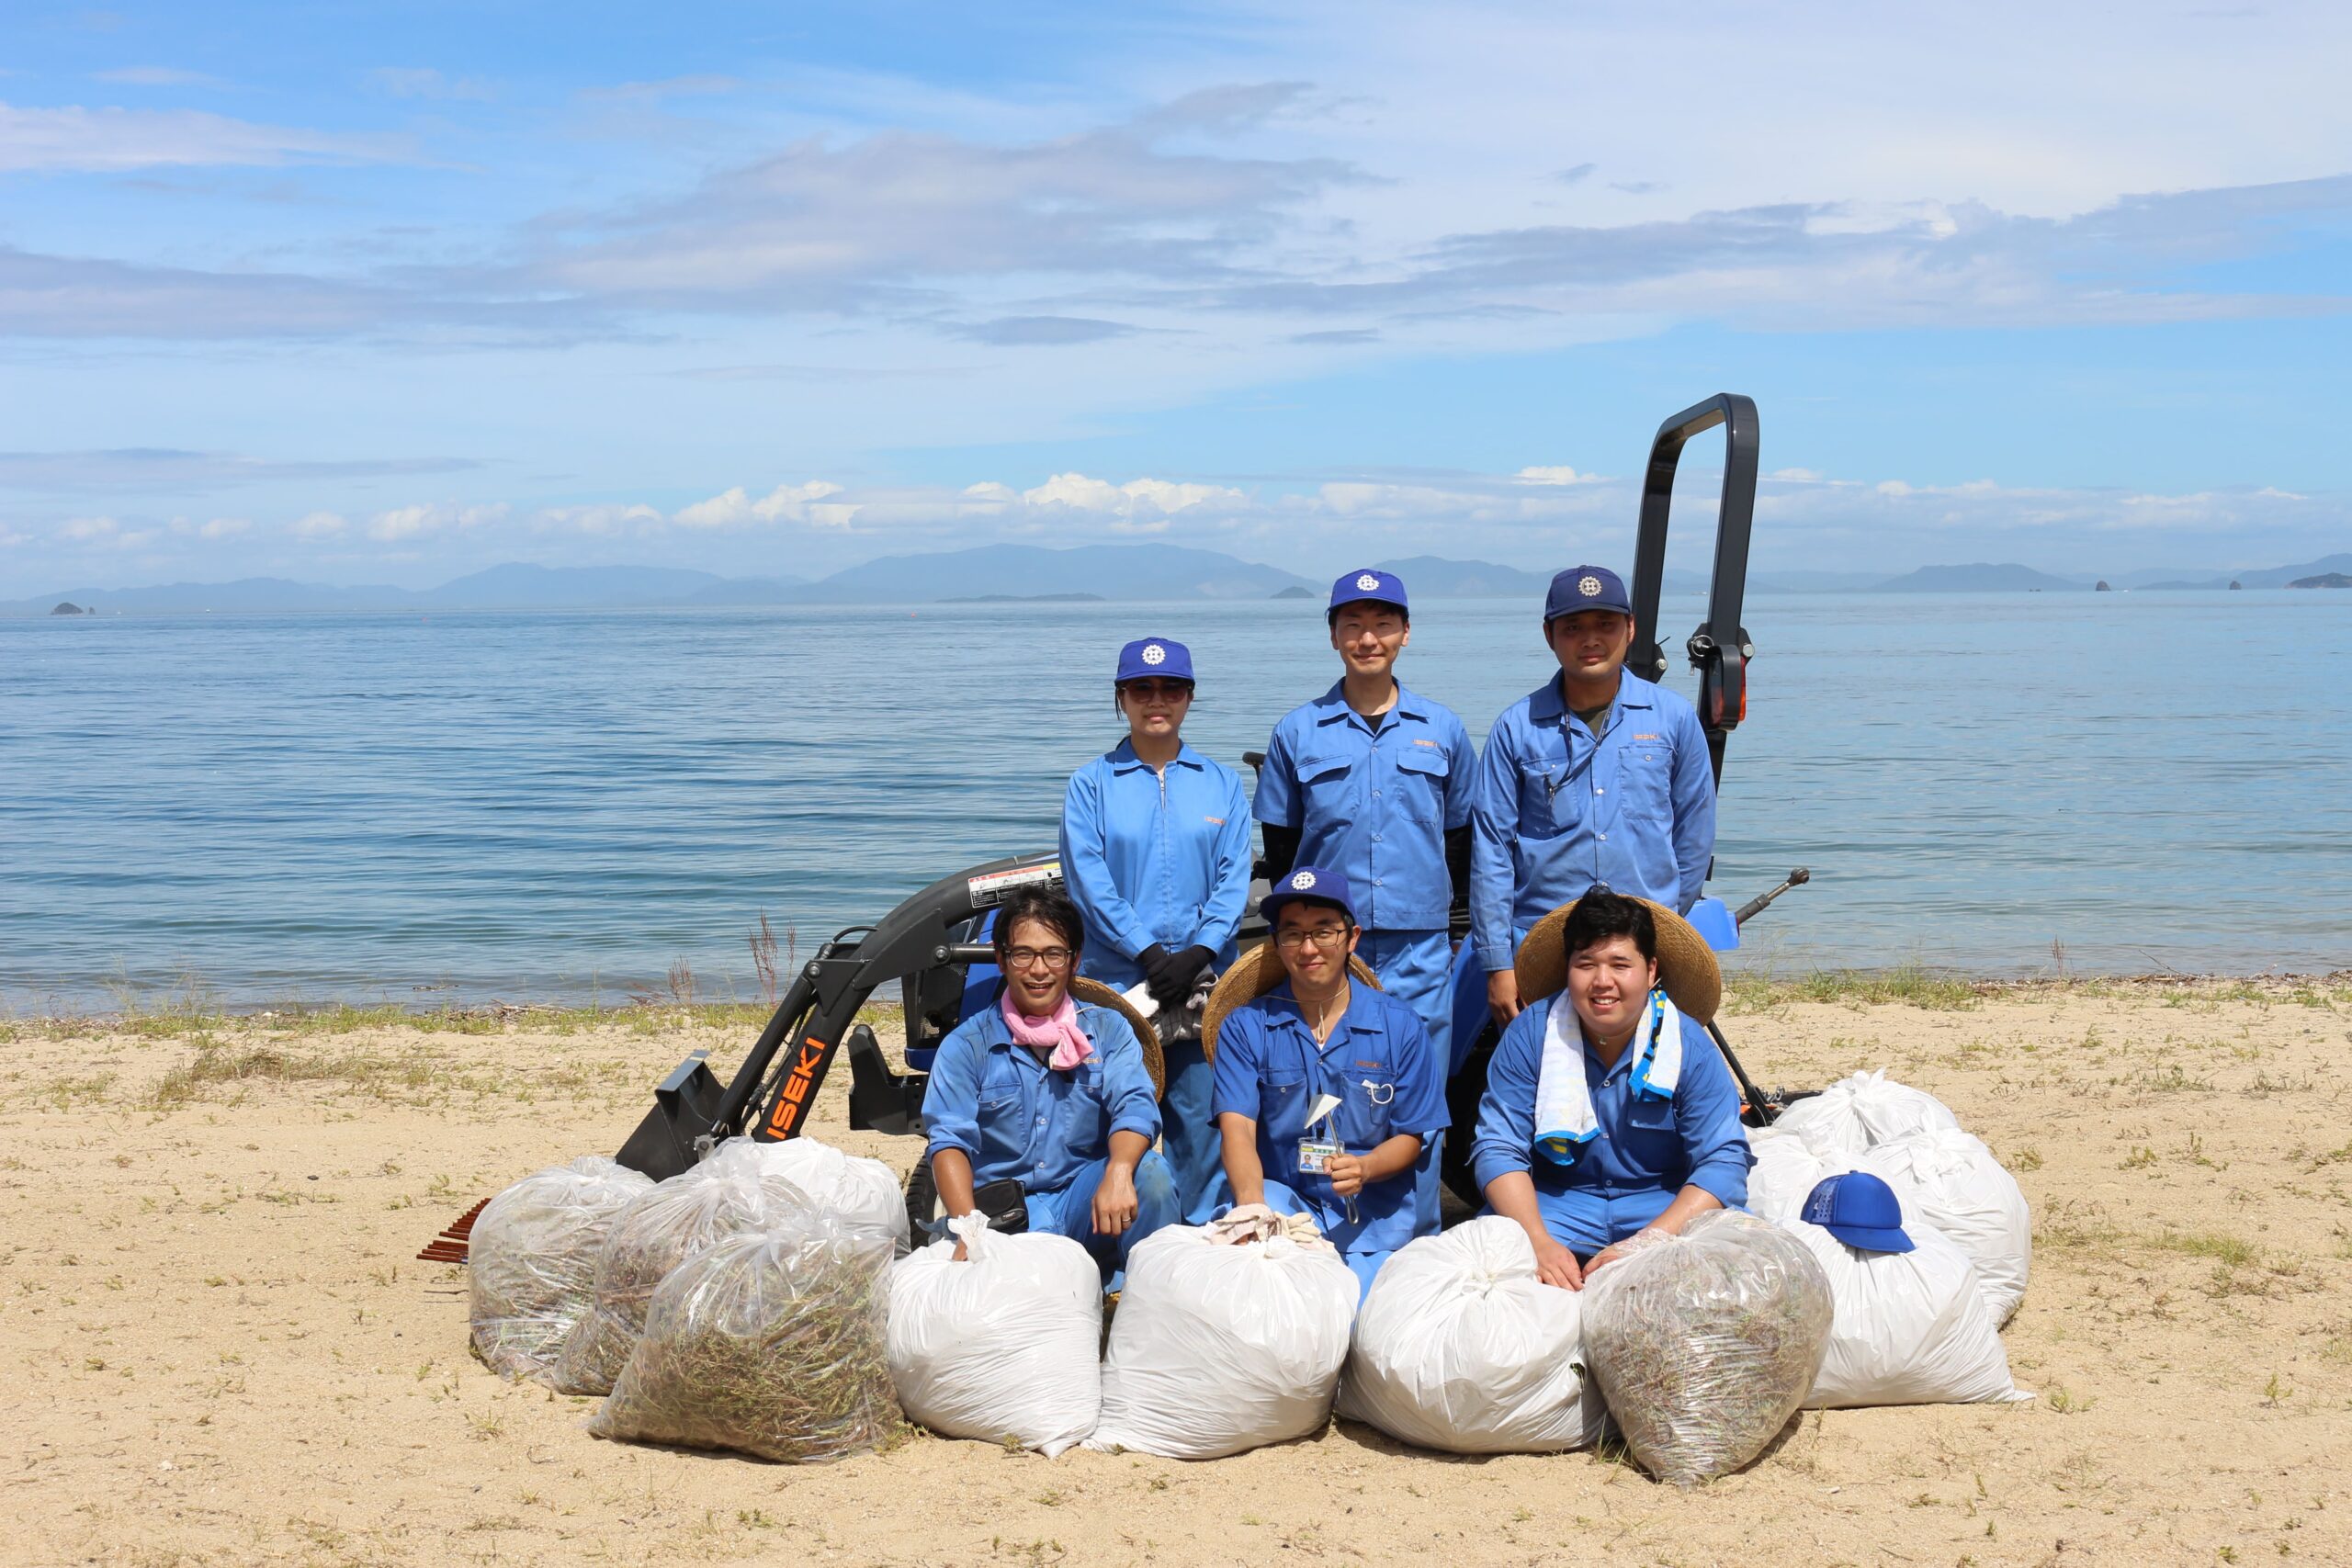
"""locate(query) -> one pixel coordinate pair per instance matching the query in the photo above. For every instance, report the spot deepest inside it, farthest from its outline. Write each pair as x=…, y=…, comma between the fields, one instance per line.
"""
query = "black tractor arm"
x=1719, y=649
x=769, y=1096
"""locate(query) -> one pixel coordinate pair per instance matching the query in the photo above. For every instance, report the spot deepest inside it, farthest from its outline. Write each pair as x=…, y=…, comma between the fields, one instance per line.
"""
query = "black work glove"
x=1171, y=979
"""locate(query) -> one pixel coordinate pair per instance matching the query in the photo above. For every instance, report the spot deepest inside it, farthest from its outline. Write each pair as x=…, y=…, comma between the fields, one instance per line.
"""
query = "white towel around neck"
x=1564, y=1118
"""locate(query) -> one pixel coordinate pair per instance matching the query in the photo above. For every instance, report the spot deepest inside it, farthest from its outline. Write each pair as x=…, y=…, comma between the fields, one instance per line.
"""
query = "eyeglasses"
x=1159, y=690
x=1030, y=957
x=1321, y=936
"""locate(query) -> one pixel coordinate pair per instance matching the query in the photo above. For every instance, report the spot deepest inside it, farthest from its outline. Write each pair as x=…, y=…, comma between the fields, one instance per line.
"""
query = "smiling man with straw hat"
x=1607, y=1109
x=1325, y=1087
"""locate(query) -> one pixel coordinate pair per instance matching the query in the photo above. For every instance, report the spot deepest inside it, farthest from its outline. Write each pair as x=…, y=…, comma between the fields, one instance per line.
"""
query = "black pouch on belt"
x=1005, y=1204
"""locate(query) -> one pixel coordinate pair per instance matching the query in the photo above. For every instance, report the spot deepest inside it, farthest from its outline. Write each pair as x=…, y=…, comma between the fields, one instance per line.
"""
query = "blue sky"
x=355, y=293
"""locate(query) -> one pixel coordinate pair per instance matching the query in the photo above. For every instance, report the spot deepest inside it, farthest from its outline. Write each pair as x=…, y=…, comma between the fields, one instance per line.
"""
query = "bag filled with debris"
x=1004, y=1346
x=1461, y=1349
x=849, y=1185
x=677, y=1219
x=1704, y=1343
x=1227, y=1336
x=531, y=1263
x=770, y=1345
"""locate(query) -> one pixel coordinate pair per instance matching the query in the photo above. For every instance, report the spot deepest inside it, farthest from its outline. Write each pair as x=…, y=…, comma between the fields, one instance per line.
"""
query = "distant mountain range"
x=1001, y=573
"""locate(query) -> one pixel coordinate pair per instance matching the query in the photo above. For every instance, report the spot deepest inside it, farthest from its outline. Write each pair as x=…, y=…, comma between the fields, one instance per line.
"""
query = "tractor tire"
x=922, y=1203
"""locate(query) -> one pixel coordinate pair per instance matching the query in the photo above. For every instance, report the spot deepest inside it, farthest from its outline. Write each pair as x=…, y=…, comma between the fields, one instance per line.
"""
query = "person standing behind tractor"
x=1374, y=782
x=1326, y=1091
x=1155, y=851
x=1045, y=1101
x=1596, y=779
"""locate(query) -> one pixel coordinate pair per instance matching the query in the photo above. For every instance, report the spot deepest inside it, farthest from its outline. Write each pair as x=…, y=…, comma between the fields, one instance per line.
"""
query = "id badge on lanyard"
x=1315, y=1155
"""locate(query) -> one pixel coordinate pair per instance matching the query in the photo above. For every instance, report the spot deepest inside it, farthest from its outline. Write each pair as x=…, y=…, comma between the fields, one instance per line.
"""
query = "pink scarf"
x=1057, y=1029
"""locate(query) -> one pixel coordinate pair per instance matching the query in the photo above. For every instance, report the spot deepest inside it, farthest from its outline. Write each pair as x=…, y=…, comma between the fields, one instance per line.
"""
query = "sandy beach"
x=221, y=1351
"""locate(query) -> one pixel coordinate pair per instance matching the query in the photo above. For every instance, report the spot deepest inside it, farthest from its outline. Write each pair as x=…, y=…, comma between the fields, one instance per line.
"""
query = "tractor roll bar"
x=1719, y=649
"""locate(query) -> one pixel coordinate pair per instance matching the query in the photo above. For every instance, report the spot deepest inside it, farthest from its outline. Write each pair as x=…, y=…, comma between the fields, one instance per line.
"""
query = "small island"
x=1026, y=599
x=67, y=607
x=2321, y=579
x=1293, y=591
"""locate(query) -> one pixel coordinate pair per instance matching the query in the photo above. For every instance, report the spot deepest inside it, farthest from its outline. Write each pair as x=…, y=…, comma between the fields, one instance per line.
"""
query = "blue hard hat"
x=1586, y=588
x=1155, y=658
x=1308, y=883
x=1859, y=1210
x=1371, y=583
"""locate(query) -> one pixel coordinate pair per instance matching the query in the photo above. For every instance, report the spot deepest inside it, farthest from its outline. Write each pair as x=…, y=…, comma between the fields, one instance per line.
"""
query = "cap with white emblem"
x=1309, y=883
x=1155, y=656
x=1370, y=584
x=1586, y=588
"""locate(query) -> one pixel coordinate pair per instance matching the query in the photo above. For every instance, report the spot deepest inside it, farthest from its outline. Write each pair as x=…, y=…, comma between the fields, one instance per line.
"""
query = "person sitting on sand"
x=1290, y=1033
x=1608, y=1110
x=1050, y=1095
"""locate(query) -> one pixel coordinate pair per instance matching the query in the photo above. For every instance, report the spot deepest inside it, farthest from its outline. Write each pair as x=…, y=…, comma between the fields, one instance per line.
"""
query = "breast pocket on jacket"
x=1003, y=1115
x=1421, y=772
x=1086, y=1112
x=1652, y=1141
x=1646, y=775
x=1364, y=1108
x=1544, y=812
x=1327, y=785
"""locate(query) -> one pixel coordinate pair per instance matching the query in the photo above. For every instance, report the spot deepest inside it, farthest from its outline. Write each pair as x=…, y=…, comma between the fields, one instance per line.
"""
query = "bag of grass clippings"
x=850, y=1185
x=661, y=1230
x=1704, y=1343
x=531, y=1264
x=770, y=1345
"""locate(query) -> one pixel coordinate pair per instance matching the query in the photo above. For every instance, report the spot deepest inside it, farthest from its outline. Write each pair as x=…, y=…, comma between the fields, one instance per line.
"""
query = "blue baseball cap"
x=1586, y=588
x=1859, y=1210
x=1308, y=883
x=1151, y=657
x=1371, y=583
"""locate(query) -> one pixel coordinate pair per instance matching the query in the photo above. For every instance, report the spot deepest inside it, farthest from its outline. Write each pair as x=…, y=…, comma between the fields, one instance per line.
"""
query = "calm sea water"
x=560, y=806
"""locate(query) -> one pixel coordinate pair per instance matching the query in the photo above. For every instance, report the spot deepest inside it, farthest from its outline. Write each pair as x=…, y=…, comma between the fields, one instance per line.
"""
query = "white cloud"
x=223, y=528
x=403, y=523
x=102, y=140
x=1141, y=501
x=787, y=503
x=1557, y=474
x=317, y=525
x=87, y=528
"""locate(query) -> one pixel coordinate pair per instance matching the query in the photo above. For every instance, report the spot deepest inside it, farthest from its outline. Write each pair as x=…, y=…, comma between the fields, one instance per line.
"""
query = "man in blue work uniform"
x=1316, y=1035
x=1051, y=1093
x=1374, y=780
x=1597, y=778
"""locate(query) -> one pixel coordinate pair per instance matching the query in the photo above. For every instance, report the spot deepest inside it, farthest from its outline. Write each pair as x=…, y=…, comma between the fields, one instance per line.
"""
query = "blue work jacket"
x=1559, y=809
x=1155, y=858
x=1372, y=798
x=1014, y=1116
x=1644, y=1144
x=1380, y=1063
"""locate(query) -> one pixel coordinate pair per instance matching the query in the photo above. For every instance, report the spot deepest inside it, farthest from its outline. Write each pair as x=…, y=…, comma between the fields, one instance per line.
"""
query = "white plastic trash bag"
x=1860, y=1112
x=531, y=1261
x=1785, y=1173
x=1217, y=1349
x=1909, y=1328
x=1004, y=1346
x=856, y=1187
x=1706, y=1343
x=770, y=1344
x=1946, y=1179
x=1459, y=1348
x=677, y=1219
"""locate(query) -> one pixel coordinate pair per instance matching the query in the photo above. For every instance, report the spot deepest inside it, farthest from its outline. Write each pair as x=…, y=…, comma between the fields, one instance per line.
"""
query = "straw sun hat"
x=1686, y=964
x=1095, y=993
x=1253, y=975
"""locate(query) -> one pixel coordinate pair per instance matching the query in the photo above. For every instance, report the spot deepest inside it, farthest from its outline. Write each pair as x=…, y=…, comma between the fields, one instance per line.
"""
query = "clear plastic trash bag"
x=531, y=1260
x=769, y=1344
x=859, y=1189
x=1706, y=1343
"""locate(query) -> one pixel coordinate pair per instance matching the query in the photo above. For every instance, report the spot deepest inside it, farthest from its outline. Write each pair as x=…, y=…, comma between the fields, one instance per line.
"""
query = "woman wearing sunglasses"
x=1155, y=849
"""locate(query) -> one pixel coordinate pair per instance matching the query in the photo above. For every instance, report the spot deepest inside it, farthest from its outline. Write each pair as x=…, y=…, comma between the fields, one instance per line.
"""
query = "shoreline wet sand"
x=224, y=1352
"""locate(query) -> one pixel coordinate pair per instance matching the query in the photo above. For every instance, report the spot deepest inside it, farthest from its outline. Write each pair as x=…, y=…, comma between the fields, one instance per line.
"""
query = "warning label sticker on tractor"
x=991, y=889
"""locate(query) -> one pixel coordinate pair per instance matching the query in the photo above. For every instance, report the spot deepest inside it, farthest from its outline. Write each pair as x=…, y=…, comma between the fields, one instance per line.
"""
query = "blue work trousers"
x=1189, y=1134
x=1416, y=968
x=1069, y=1211
x=1363, y=1265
